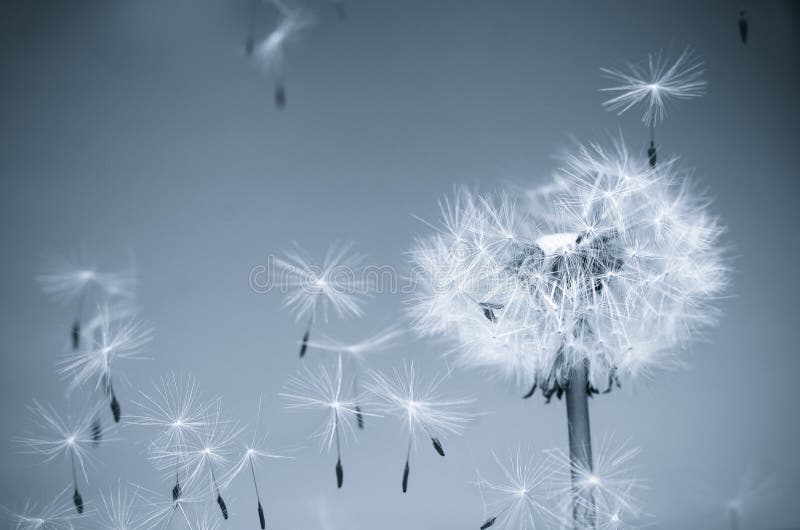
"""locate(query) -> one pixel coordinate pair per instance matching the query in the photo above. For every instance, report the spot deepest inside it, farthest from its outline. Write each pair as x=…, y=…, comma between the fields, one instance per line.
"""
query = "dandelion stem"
x=580, y=448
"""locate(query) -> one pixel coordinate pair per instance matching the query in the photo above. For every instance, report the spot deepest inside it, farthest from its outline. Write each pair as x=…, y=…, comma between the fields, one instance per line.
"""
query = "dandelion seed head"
x=66, y=279
x=616, y=265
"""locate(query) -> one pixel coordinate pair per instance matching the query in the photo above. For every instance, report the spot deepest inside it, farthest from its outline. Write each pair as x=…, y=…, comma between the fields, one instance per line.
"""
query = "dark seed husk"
x=176, y=492
x=438, y=446
x=76, y=334
x=359, y=417
x=116, y=410
x=78, y=501
x=405, y=477
x=339, y=473
x=261, y=518
x=222, y=506
x=489, y=522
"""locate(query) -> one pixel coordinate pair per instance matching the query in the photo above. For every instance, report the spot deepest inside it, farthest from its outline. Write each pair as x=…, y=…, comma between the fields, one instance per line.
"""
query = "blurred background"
x=143, y=129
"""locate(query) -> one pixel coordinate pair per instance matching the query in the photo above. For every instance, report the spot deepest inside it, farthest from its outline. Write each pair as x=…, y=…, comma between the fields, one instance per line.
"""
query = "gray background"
x=141, y=126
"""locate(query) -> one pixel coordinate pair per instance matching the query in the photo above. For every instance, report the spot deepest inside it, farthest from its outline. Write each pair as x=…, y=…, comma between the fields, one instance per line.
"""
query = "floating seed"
x=743, y=25
x=359, y=417
x=651, y=154
x=176, y=492
x=339, y=473
x=304, y=345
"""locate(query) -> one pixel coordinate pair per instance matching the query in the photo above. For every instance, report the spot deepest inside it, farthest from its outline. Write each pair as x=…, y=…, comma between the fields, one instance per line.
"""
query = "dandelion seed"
x=175, y=410
x=421, y=407
x=358, y=353
x=313, y=290
x=70, y=437
x=113, y=338
x=254, y=452
x=68, y=280
x=97, y=432
x=608, y=273
x=326, y=390
x=608, y=481
x=656, y=85
x=270, y=52
x=519, y=499
x=212, y=452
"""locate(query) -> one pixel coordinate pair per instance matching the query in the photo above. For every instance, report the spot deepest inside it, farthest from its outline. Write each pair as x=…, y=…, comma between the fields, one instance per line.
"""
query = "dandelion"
x=518, y=499
x=325, y=391
x=175, y=410
x=70, y=280
x=423, y=409
x=211, y=452
x=358, y=352
x=269, y=53
x=55, y=515
x=654, y=86
x=113, y=338
x=604, y=278
x=255, y=452
x=313, y=290
x=70, y=436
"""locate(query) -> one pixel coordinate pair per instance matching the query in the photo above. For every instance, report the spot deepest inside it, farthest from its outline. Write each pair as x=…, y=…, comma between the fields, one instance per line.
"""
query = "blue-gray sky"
x=141, y=127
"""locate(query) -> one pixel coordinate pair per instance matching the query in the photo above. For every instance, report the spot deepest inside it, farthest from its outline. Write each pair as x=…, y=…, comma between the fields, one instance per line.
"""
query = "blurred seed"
x=743, y=25
x=339, y=473
x=97, y=432
x=76, y=334
x=304, y=345
x=280, y=97
x=405, y=477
